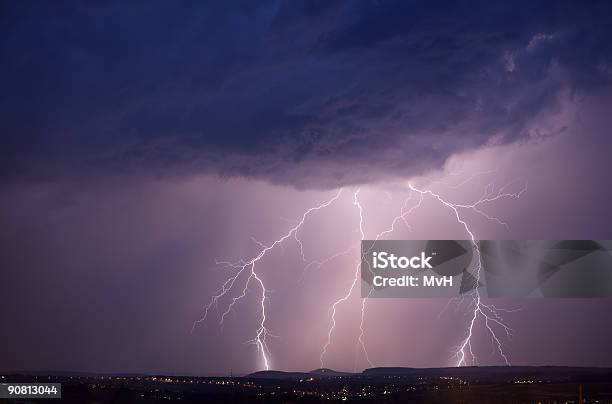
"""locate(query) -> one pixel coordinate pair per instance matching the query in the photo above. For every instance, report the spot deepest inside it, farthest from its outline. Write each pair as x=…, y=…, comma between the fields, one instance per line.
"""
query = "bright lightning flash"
x=489, y=315
x=248, y=267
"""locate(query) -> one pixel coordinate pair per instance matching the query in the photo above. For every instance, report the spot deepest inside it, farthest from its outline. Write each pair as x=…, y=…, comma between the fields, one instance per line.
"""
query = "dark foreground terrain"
x=378, y=385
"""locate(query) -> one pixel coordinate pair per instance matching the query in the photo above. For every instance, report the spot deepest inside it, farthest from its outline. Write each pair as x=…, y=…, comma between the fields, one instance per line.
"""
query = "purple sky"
x=142, y=142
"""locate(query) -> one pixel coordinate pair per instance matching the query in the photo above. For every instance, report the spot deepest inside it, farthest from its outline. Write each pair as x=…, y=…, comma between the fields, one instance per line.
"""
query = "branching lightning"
x=245, y=271
x=489, y=313
x=248, y=267
x=345, y=297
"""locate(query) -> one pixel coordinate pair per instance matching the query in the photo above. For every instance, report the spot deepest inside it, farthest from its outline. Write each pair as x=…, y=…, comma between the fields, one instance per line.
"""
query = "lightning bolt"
x=361, y=338
x=345, y=297
x=245, y=271
x=248, y=268
x=402, y=216
x=489, y=313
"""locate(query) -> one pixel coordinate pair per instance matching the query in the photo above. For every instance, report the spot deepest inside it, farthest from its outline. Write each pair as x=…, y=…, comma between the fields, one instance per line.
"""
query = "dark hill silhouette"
x=330, y=372
x=318, y=373
x=278, y=375
x=468, y=372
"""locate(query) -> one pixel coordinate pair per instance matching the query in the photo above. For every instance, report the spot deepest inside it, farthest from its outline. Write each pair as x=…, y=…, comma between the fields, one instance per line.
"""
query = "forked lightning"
x=245, y=271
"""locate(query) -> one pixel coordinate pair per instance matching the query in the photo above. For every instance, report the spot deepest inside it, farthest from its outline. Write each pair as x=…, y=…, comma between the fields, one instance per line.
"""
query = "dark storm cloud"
x=306, y=93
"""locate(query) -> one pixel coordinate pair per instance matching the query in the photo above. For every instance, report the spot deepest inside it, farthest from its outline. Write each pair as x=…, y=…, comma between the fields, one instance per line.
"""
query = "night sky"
x=144, y=142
